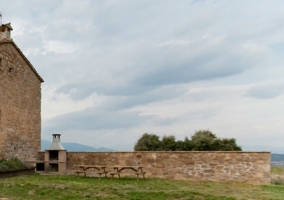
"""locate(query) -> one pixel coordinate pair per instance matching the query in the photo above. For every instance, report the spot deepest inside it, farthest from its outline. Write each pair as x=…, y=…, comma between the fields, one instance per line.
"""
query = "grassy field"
x=50, y=187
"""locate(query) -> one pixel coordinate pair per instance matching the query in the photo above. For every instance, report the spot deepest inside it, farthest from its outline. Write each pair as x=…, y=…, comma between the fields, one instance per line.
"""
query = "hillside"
x=277, y=157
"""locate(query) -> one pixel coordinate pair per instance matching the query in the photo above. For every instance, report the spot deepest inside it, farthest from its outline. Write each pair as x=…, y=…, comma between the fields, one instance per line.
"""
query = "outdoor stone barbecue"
x=55, y=156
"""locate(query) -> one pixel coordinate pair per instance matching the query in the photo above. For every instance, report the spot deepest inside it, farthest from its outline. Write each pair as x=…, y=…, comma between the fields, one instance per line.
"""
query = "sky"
x=116, y=69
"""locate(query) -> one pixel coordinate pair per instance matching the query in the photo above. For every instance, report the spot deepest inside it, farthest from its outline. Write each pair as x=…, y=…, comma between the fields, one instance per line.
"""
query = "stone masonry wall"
x=250, y=167
x=20, y=104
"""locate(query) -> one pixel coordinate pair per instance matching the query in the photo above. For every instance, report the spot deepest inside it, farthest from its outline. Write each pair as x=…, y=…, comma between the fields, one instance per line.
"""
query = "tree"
x=205, y=140
x=187, y=144
x=202, y=140
x=226, y=144
x=148, y=142
x=168, y=143
x=179, y=145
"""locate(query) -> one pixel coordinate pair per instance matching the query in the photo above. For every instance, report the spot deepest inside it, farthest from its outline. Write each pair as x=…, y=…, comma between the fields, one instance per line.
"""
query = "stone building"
x=20, y=101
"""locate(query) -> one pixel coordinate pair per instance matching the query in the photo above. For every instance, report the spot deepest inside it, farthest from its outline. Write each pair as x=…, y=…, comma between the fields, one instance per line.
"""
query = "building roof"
x=5, y=41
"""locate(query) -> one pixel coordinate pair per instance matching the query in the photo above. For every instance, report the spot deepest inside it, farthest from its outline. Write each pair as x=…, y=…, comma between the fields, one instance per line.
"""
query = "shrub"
x=13, y=163
x=277, y=182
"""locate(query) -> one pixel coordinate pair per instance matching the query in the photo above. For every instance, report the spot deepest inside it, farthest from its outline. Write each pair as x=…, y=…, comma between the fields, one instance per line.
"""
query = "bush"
x=277, y=182
x=13, y=163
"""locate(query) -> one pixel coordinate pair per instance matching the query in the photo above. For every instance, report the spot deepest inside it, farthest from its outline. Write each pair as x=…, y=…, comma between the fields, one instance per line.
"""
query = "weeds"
x=277, y=170
x=277, y=182
x=13, y=163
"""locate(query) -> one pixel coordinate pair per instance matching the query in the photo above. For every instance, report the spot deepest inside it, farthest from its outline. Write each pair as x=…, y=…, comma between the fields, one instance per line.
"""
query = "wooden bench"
x=83, y=169
x=101, y=173
x=140, y=173
x=117, y=170
x=114, y=173
x=81, y=172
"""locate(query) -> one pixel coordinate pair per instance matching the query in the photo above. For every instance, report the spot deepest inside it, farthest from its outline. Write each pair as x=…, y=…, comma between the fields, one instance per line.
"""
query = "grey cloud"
x=149, y=66
x=266, y=91
x=167, y=121
x=152, y=96
x=185, y=64
x=123, y=98
x=94, y=119
x=76, y=91
x=152, y=67
x=83, y=90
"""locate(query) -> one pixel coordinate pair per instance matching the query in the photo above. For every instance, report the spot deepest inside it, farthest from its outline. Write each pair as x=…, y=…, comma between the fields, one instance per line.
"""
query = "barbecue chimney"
x=56, y=143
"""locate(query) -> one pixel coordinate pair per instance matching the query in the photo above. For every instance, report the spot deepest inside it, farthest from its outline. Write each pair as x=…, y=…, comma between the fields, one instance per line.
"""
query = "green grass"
x=277, y=175
x=51, y=187
x=13, y=163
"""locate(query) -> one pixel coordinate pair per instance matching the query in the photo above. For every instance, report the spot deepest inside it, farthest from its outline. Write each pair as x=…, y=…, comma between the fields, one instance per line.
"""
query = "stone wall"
x=20, y=105
x=250, y=167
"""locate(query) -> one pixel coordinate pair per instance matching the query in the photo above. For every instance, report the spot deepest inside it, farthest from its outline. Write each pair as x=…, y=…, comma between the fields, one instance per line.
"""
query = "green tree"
x=168, y=143
x=179, y=145
x=187, y=144
x=203, y=140
x=226, y=144
x=148, y=142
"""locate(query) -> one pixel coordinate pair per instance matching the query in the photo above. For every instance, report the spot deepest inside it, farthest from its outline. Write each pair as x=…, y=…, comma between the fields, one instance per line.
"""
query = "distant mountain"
x=277, y=157
x=272, y=149
x=75, y=147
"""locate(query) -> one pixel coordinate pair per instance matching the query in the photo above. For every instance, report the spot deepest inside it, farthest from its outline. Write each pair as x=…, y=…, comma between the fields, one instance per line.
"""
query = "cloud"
x=59, y=47
x=152, y=96
x=266, y=91
x=93, y=119
x=172, y=62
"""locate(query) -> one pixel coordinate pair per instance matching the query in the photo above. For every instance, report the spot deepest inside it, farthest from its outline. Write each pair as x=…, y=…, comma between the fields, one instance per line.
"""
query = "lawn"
x=50, y=187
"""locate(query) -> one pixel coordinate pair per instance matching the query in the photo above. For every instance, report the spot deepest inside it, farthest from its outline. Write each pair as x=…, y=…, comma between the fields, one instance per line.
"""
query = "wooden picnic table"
x=84, y=168
x=137, y=169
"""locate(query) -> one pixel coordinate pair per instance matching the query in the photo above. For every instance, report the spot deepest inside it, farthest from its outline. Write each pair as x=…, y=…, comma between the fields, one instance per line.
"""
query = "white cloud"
x=175, y=42
x=59, y=47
